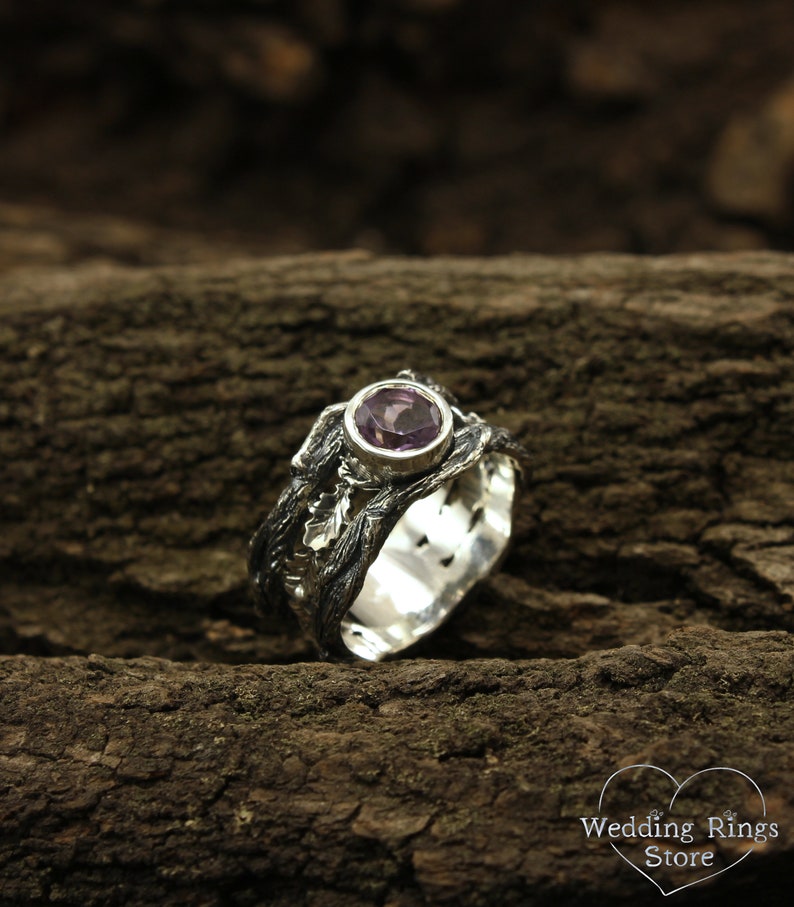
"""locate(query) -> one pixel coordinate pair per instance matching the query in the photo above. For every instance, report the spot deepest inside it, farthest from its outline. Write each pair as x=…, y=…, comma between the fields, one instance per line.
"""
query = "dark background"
x=420, y=126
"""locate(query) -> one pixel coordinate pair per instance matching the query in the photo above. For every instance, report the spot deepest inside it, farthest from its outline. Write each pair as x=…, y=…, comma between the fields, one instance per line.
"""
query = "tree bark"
x=410, y=783
x=147, y=421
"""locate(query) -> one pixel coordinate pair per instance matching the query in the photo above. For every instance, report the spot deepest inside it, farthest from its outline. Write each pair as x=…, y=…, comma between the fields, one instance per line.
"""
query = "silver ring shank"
x=438, y=550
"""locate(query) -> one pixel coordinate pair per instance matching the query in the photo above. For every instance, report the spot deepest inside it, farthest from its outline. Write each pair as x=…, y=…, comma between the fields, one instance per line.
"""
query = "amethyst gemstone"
x=398, y=418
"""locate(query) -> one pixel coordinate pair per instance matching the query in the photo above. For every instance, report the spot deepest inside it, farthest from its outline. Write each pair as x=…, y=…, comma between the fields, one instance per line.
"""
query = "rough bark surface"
x=146, y=422
x=412, y=783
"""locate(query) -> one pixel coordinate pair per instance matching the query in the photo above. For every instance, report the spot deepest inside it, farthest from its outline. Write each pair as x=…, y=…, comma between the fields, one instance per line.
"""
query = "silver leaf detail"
x=328, y=516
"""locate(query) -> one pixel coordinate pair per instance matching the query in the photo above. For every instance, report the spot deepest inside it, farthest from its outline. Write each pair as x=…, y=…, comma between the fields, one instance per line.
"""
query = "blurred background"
x=417, y=126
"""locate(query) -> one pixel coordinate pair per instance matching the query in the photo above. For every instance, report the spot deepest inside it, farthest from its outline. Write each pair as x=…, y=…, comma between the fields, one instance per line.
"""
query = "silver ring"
x=399, y=504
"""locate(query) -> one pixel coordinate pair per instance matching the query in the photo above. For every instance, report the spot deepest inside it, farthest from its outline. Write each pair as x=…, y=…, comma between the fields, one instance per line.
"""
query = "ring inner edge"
x=442, y=545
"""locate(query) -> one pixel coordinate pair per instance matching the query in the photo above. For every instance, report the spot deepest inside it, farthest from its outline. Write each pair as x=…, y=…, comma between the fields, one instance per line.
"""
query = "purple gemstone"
x=398, y=418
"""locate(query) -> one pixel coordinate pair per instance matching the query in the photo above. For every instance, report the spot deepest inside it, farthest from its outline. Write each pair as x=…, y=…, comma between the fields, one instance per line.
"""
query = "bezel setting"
x=386, y=463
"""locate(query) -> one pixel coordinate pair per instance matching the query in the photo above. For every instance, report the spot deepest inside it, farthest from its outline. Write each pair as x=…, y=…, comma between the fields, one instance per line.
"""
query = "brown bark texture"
x=161, y=744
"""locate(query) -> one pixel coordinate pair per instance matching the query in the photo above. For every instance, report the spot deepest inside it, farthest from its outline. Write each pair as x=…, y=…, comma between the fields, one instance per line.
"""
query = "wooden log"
x=410, y=783
x=148, y=418
x=146, y=422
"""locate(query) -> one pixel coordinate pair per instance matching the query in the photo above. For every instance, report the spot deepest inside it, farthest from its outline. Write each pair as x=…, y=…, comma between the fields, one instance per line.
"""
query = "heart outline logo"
x=679, y=788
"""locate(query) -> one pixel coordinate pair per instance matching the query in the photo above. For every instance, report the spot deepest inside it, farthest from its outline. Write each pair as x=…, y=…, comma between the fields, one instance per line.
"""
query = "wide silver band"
x=373, y=549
